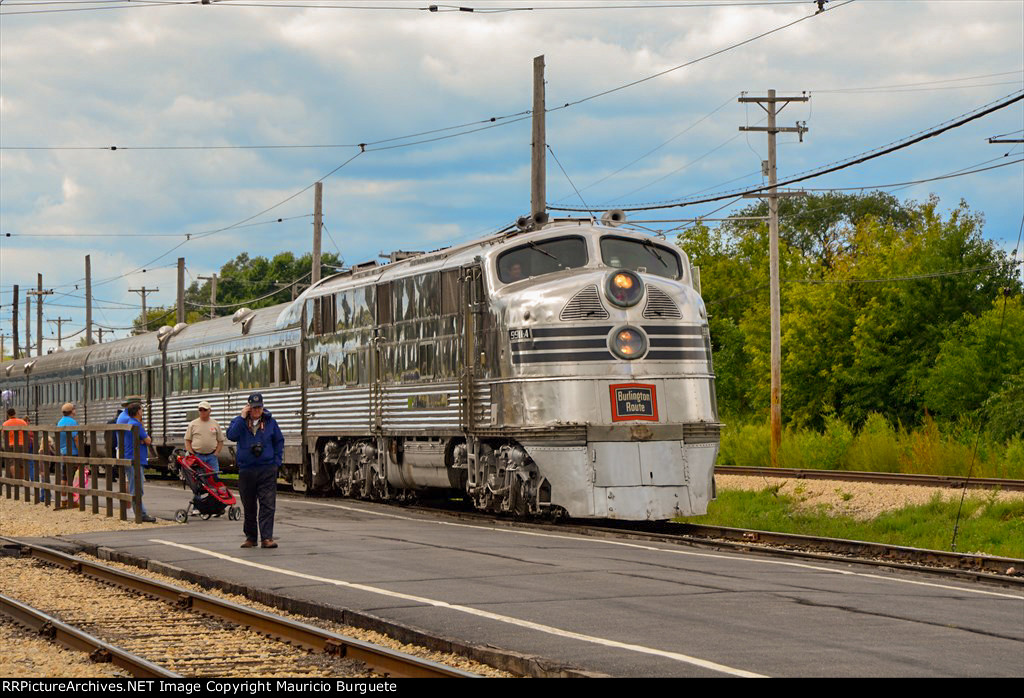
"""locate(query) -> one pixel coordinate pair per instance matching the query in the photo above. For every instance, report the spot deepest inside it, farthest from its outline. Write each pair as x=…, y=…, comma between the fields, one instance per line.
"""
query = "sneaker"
x=268, y=543
x=249, y=544
x=148, y=519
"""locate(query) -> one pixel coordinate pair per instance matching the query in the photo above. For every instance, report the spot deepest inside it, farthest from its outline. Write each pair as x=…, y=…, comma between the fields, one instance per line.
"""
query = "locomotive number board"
x=634, y=401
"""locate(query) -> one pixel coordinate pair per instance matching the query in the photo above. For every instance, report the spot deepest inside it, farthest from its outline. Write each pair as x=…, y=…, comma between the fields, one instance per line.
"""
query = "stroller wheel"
x=181, y=516
x=205, y=517
x=234, y=513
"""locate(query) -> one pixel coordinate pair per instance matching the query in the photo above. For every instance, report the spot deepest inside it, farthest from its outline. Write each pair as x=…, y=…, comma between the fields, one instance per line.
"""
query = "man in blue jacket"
x=259, y=449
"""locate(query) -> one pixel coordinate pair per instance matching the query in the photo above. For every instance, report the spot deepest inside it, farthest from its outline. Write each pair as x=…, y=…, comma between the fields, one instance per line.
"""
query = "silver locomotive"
x=562, y=369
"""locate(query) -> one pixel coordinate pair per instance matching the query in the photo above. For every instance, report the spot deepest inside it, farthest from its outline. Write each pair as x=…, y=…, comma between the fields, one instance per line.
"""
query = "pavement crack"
x=465, y=550
x=893, y=616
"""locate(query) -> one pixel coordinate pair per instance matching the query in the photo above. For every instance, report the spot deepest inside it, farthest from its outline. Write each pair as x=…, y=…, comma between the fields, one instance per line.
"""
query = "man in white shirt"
x=204, y=438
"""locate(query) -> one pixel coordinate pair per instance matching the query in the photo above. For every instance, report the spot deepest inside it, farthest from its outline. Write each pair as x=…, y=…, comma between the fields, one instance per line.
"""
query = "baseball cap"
x=204, y=405
x=131, y=399
x=256, y=400
x=67, y=407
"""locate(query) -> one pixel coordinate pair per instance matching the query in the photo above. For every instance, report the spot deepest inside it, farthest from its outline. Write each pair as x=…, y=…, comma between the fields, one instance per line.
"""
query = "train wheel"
x=181, y=516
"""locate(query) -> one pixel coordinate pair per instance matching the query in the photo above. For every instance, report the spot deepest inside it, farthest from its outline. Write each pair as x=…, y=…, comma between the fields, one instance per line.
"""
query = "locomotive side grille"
x=585, y=305
x=659, y=305
x=701, y=433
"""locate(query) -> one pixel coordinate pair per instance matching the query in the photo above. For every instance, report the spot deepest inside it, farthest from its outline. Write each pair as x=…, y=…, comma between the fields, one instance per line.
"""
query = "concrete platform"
x=609, y=606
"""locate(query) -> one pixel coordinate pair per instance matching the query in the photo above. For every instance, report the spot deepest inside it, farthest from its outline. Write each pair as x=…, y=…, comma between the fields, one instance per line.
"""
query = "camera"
x=257, y=449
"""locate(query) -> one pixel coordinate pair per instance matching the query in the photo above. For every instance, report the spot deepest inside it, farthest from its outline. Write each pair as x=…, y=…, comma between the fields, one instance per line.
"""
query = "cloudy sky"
x=164, y=82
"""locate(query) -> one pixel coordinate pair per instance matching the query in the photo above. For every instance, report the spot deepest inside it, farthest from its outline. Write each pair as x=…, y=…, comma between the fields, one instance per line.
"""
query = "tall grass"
x=877, y=447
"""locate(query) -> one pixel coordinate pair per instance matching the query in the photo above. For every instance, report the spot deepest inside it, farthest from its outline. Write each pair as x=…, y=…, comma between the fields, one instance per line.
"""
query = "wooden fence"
x=32, y=466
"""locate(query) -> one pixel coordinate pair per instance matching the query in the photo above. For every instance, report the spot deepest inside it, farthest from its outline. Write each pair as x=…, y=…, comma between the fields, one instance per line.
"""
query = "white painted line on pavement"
x=690, y=553
x=703, y=663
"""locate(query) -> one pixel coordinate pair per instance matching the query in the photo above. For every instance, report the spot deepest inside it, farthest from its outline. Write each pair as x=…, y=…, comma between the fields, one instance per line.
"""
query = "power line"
x=132, y=4
x=872, y=88
x=150, y=235
x=493, y=122
x=892, y=147
x=918, y=181
x=702, y=58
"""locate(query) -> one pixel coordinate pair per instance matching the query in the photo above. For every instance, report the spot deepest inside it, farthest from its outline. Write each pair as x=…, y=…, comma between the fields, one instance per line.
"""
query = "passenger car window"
x=637, y=255
x=541, y=257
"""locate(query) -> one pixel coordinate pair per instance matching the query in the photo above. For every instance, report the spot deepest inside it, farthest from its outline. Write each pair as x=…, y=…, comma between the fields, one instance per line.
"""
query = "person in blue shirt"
x=132, y=415
x=259, y=449
x=68, y=420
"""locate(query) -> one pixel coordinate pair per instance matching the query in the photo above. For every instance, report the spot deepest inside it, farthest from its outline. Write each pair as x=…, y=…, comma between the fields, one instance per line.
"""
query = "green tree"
x=256, y=282
x=979, y=363
x=867, y=298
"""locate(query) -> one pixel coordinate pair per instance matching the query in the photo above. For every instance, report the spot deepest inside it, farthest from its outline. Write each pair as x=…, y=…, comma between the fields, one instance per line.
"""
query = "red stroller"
x=210, y=496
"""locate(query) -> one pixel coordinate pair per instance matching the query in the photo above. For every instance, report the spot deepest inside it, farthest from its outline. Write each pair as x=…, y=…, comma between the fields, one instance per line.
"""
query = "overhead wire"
x=872, y=154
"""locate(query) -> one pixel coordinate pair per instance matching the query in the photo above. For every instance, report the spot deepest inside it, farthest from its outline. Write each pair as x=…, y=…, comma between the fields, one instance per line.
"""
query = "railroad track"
x=1001, y=570
x=148, y=627
x=953, y=481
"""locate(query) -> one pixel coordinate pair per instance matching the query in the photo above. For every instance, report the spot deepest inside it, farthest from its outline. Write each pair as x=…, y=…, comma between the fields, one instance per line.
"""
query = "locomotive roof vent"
x=613, y=218
x=244, y=316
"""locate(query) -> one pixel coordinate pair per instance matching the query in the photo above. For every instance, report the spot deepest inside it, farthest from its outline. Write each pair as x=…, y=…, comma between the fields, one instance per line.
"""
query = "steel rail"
x=1004, y=570
x=952, y=481
x=76, y=639
x=382, y=659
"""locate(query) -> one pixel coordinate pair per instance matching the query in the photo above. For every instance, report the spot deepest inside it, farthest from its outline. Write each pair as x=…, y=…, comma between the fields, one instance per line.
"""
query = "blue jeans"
x=211, y=460
x=130, y=479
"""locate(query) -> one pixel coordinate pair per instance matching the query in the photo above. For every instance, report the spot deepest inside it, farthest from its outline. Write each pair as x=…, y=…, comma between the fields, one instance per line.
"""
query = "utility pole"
x=28, y=325
x=773, y=195
x=212, y=278
x=39, y=313
x=538, y=161
x=318, y=221
x=14, y=327
x=142, y=292
x=88, y=301
x=99, y=330
x=60, y=321
x=181, y=289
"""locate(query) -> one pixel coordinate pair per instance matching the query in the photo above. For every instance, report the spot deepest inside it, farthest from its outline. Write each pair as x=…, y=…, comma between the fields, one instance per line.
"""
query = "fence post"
x=19, y=473
x=31, y=438
x=3, y=450
x=137, y=482
x=108, y=475
x=122, y=487
x=94, y=474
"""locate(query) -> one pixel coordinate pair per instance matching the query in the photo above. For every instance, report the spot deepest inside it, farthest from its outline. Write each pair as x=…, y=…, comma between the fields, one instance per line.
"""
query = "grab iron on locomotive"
x=560, y=369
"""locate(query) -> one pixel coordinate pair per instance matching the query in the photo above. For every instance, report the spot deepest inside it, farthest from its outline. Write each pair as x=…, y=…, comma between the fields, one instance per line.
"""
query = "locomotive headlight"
x=624, y=288
x=629, y=343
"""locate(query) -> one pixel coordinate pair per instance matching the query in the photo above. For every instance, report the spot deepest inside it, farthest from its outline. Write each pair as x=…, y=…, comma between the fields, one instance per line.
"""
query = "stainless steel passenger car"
x=563, y=370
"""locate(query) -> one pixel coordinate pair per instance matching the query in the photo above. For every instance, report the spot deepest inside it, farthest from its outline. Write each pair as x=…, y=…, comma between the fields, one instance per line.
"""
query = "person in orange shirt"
x=14, y=421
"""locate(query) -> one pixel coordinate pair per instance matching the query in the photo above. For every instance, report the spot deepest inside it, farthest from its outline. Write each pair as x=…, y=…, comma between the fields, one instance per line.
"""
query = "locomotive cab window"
x=640, y=255
x=541, y=257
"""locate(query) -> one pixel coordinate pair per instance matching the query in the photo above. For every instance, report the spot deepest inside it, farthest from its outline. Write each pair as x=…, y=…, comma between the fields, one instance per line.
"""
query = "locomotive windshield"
x=640, y=255
x=542, y=257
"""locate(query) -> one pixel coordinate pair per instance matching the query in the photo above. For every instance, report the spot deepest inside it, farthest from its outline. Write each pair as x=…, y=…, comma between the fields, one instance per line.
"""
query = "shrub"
x=876, y=448
x=746, y=444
